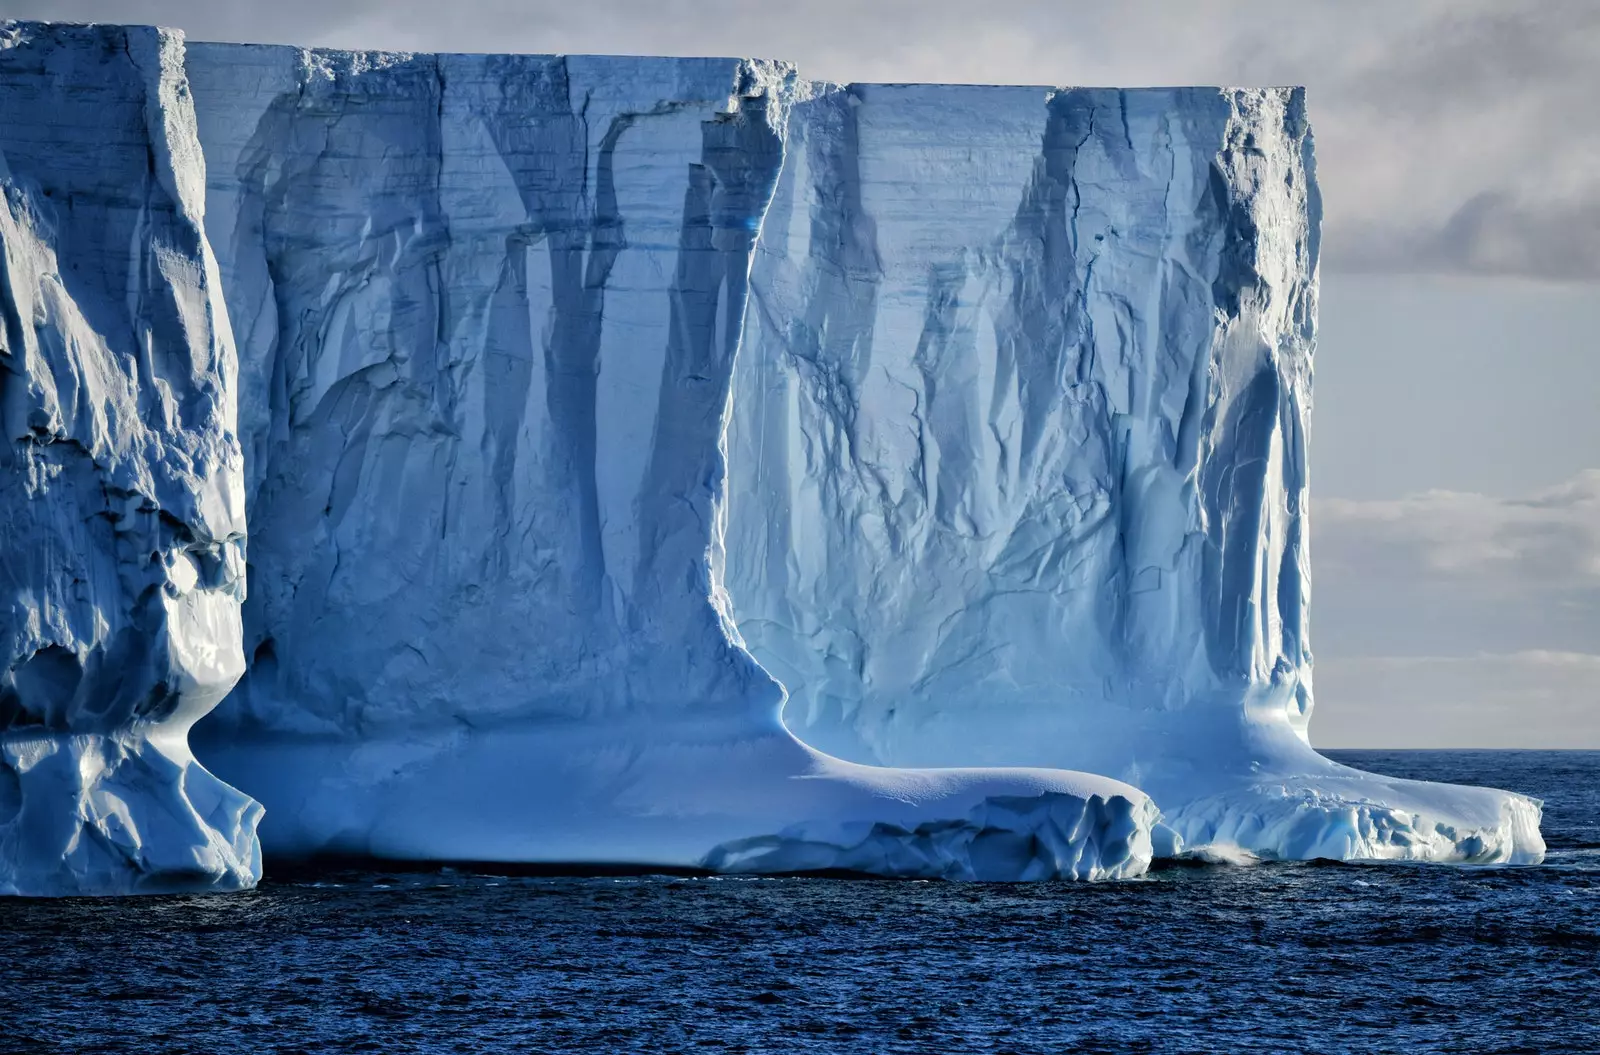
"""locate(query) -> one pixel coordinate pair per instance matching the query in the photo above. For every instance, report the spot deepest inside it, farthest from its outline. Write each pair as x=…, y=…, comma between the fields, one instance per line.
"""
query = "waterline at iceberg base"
x=574, y=395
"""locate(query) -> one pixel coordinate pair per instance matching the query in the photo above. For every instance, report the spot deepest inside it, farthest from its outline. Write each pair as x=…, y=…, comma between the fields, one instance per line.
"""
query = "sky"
x=1456, y=429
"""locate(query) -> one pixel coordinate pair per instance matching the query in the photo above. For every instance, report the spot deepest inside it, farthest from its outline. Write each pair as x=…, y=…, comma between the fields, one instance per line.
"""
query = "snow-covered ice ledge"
x=1276, y=799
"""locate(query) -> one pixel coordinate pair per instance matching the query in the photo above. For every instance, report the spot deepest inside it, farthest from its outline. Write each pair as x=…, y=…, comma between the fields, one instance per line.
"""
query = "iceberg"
x=121, y=479
x=668, y=462
x=488, y=309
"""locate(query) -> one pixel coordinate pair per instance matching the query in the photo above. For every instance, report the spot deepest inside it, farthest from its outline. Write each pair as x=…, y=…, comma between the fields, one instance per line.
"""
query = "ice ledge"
x=684, y=796
x=1337, y=813
x=1001, y=839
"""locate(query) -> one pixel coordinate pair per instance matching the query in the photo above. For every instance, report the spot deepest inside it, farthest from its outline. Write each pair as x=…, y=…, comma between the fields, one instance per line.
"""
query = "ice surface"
x=121, y=497
x=979, y=413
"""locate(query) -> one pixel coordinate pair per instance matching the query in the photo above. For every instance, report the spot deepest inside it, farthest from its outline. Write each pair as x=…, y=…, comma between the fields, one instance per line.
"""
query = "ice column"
x=121, y=486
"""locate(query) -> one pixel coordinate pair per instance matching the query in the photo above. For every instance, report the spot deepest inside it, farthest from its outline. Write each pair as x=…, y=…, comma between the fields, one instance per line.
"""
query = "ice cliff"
x=977, y=413
x=121, y=481
x=488, y=309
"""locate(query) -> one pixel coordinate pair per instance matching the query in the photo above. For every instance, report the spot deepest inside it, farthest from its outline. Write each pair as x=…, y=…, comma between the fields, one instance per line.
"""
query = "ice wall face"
x=1019, y=440
x=1018, y=456
x=488, y=309
x=420, y=271
x=121, y=498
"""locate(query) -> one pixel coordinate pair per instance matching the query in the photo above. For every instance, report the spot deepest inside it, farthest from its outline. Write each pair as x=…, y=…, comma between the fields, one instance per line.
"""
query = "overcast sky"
x=1456, y=434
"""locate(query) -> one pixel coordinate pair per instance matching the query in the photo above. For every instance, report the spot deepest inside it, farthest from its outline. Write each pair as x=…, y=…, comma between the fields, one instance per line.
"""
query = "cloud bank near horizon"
x=1452, y=619
x=1454, y=136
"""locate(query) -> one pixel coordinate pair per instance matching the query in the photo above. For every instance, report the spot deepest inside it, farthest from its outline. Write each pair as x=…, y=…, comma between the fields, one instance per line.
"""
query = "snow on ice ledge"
x=1299, y=806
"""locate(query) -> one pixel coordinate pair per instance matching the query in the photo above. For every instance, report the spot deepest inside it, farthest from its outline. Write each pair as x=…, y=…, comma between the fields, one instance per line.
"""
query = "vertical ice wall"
x=1018, y=467
x=488, y=308
x=418, y=251
x=1018, y=442
x=121, y=498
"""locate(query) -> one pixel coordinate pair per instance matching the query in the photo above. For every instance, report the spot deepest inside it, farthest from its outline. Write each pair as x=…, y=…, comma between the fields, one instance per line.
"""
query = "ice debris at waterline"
x=979, y=412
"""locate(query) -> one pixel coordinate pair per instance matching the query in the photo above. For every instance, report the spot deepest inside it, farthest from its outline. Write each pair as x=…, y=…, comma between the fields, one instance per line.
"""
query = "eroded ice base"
x=1240, y=784
x=1304, y=806
x=698, y=797
x=123, y=814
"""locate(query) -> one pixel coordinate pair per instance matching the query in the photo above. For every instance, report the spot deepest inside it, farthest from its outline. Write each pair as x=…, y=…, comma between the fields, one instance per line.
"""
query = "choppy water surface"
x=1317, y=958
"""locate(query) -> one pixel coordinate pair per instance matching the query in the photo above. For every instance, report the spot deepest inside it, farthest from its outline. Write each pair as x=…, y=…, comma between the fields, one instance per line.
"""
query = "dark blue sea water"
x=1276, y=958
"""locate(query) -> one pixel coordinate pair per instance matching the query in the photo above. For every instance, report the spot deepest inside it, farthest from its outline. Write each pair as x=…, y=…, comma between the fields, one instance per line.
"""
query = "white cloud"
x=1451, y=574
x=1548, y=541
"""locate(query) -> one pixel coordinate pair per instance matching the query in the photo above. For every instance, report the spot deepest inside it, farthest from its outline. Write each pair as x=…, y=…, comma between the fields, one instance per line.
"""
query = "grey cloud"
x=1532, y=699
x=1450, y=573
x=282, y=21
x=1450, y=137
x=1466, y=54
x=1494, y=233
x=1453, y=135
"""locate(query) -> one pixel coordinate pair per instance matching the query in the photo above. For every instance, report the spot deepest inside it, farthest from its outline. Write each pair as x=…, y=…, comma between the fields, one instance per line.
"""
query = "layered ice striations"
x=1018, y=457
x=574, y=395
x=121, y=482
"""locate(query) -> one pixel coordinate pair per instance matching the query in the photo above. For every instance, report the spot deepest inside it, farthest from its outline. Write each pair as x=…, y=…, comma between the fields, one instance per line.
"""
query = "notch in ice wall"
x=121, y=497
x=1018, y=456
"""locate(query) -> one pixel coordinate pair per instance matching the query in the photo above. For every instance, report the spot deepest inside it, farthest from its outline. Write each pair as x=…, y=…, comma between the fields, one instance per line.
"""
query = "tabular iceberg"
x=121, y=481
x=979, y=413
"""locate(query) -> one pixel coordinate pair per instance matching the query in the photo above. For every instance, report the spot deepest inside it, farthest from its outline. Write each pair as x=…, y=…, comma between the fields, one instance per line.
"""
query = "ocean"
x=1313, y=957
